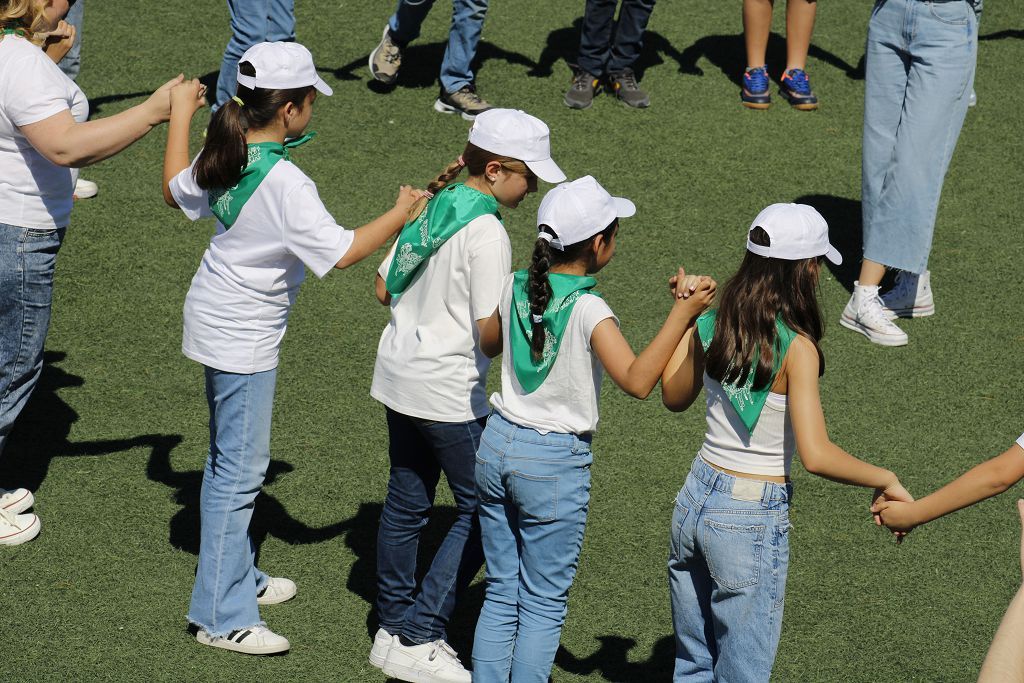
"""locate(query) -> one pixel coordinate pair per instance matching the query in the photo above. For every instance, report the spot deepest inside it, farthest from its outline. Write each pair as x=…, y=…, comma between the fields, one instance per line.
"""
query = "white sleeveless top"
x=768, y=450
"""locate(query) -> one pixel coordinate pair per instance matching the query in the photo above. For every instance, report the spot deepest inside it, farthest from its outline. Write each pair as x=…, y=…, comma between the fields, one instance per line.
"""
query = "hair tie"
x=238, y=99
x=460, y=161
x=546, y=236
x=537, y=319
x=428, y=194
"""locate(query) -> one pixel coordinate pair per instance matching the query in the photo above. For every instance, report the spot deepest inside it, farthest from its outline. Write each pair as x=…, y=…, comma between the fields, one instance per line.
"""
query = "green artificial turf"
x=115, y=437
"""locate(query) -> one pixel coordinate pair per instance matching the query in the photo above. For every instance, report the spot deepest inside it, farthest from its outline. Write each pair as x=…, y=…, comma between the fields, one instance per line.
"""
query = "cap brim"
x=321, y=86
x=547, y=170
x=623, y=207
x=833, y=255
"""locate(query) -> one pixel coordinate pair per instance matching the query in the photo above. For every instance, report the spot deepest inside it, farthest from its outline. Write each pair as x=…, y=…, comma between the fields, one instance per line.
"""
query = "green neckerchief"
x=12, y=31
x=263, y=156
x=447, y=213
x=565, y=292
x=747, y=401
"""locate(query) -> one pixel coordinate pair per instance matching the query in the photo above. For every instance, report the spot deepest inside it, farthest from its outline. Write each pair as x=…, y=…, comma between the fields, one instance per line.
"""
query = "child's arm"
x=817, y=452
x=368, y=238
x=683, y=377
x=186, y=99
x=983, y=481
x=380, y=288
x=637, y=375
x=490, y=334
x=1005, y=658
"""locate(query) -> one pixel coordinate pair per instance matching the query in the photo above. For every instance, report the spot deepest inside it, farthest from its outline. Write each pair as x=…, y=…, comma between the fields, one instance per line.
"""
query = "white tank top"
x=768, y=450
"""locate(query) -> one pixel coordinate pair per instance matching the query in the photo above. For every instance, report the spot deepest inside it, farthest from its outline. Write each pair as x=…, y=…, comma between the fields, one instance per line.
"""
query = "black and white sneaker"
x=255, y=640
x=464, y=101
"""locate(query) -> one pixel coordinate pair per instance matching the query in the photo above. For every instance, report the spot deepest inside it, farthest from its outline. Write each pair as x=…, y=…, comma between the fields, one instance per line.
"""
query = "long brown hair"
x=762, y=289
x=225, y=155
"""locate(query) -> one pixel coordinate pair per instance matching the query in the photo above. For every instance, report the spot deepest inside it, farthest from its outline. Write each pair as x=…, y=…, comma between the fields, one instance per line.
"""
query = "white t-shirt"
x=236, y=310
x=567, y=400
x=429, y=363
x=34, y=192
x=1020, y=441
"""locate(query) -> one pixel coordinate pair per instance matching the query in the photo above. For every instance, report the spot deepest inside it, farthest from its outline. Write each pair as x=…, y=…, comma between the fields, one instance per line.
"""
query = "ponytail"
x=539, y=292
x=443, y=179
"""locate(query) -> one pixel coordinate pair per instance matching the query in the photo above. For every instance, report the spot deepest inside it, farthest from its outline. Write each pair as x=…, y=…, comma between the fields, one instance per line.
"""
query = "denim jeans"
x=28, y=257
x=920, y=72
x=252, y=22
x=463, y=36
x=72, y=61
x=534, y=492
x=601, y=52
x=727, y=575
x=227, y=581
x=420, y=450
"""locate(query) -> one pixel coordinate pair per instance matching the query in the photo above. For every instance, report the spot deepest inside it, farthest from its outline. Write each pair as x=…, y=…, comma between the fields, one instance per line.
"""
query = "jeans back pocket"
x=536, y=495
x=733, y=552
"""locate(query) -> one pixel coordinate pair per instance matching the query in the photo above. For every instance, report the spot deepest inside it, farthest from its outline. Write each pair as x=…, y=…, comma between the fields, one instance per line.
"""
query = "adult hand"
x=407, y=196
x=188, y=96
x=159, y=103
x=58, y=42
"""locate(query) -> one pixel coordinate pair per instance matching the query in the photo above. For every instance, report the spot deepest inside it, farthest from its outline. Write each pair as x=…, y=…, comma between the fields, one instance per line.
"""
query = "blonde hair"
x=475, y=160
x=26, y=15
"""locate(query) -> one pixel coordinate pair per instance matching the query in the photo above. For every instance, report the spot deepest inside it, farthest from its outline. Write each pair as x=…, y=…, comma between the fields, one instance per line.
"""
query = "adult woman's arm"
x=65, y=142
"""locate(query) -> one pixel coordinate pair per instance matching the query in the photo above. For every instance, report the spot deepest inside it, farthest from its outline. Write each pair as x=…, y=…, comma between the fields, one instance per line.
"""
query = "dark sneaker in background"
x=754, y=94
x=464, y=101
x=386, y=59
x=624, y=86
x=581, y=93
x=796, y=88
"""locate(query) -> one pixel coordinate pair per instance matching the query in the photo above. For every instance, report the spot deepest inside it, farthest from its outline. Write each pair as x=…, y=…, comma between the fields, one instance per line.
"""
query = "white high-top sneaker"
x=382, y=641
x=434, y=662
x=865, y=314
x=911, y=297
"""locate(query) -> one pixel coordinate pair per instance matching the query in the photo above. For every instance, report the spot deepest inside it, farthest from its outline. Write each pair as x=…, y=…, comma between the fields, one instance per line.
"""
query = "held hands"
x=693, y=292
x=407, y=196
x=893, y=507
x=159, y=103
x=188, y=97
x=58, y=42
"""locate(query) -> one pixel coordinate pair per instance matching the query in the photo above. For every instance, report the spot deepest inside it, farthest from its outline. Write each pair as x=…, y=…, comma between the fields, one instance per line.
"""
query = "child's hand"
x=683, y=286
x=695, y=293
x=58, y=42
x=188, y=97
x=407, y=196
x=883, y=498
x=159, y=103
x=898, y=517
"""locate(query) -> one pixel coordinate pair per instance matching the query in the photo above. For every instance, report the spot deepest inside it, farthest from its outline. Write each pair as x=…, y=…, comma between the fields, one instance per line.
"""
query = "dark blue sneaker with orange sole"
x=795, y=87
x=754, y=94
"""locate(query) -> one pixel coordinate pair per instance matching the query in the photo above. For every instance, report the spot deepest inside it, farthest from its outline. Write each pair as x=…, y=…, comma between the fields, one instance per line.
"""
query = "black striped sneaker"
x=255, y=640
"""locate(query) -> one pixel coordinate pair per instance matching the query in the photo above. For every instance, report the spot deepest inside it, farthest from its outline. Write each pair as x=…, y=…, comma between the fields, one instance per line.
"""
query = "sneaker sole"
x=874, y=338
x=913, y=312
x=22, y=504
x=577, y=105
x=796, y=103
x=443, y=108
x=756, y=105
x=225, y=644
x=277, y=600
x=23, y=536
x=380, y=78
x=378, y=660
x=411, y=675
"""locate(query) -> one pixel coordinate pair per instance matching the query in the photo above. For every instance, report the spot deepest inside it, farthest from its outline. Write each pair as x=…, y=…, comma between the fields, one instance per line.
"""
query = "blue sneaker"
x=755, y=93
x=796, y=89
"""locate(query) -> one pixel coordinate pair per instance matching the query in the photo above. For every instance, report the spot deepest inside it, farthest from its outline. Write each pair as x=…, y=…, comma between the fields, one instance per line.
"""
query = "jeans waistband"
x=496, y=422
x=726, y=483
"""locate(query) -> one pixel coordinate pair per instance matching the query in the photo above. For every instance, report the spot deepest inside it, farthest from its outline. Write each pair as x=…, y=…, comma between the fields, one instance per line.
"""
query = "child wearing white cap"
x=442, y=279
x=757, y=356
x=533, y=466
x=271, y=225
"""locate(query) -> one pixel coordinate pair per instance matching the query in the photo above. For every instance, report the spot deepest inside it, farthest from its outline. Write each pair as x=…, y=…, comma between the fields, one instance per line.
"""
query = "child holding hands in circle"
x=271, y=225
x=757, y=357
x=533, y=466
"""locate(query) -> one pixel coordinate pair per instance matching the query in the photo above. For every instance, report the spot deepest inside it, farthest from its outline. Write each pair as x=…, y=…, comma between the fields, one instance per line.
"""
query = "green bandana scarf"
x=445, y=214
x=565, y=292
x=263, y=156
x=748, y=402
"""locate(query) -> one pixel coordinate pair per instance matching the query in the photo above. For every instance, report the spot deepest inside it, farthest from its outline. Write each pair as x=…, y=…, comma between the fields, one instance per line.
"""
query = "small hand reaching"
x=58, y=42
x=407, y=196
x=188, y=96
x=892, y=507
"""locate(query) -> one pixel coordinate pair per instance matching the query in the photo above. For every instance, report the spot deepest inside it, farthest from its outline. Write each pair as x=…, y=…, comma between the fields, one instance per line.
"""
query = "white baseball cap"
x=514, y=133
x=281, y=66
x=797, y=231
x=579, y=210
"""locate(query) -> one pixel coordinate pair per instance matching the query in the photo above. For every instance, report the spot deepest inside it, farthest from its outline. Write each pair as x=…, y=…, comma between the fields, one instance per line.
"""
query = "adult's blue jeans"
x=534, y=492
x=252, y=22
x=420, y=450
x=919, y=76
x=727, y=575
x=463, y=36
x=227, y=581
x=607, y=46
x=28, y=257
x=71, y=64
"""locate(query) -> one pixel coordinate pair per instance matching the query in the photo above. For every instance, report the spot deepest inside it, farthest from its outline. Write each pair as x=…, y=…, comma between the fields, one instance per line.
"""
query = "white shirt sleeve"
x=191, y=199
x=490, y=260
x=40, y=91
x=591, y=310
x=385, y=265
x=1020, y=441
x=311, y=233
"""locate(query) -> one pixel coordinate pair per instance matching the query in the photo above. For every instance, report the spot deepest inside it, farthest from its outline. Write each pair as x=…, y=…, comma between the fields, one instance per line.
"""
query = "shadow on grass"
x=1003, y=35
x=612, y=662
x=844, y=232
x=41, y=431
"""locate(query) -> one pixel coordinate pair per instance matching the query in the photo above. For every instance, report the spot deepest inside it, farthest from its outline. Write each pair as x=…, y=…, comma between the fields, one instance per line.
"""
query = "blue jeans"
x=534, y=492
x=463, y=36
x=727, y=575
x=920, y=72
x=227, y=581
x=72, y=61
x=420, y=450
x=252, y=22
x=600, y=52
x=28, y=257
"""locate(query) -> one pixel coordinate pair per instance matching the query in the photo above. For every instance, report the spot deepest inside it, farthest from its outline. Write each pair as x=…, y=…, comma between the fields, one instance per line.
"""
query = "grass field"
x=115, y=437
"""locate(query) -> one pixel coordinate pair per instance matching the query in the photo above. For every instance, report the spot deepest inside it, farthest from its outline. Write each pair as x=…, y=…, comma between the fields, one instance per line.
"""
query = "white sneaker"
x=255, y=640
x=277, y=590
x=85, y=189
x=382, y=641
x=16, y=529
x=865, y=314
x=434, y=662
x=16, y=501
x=911, y=297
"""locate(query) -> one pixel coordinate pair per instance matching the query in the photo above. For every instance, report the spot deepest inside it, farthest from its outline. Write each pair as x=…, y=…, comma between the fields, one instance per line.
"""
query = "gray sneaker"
x=386, y=58
x=464, y=101
x=581, y=93
x=624, y=86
